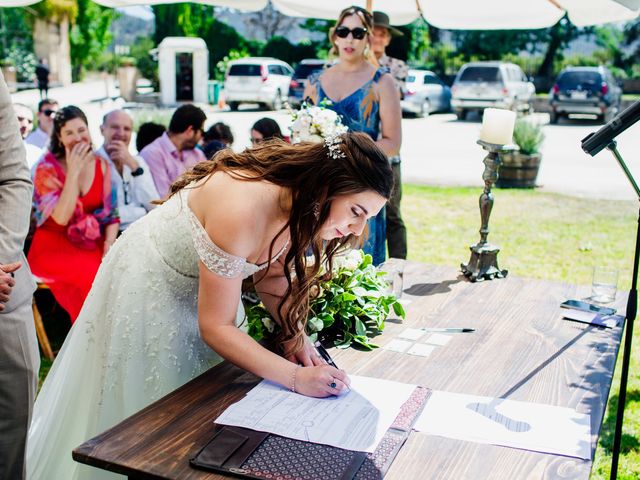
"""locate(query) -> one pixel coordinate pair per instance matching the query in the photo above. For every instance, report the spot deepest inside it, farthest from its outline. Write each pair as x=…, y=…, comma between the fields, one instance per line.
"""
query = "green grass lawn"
x=543, y=236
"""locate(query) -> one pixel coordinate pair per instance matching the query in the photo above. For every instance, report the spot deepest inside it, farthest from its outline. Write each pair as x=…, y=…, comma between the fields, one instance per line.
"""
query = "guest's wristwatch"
x=137, y=172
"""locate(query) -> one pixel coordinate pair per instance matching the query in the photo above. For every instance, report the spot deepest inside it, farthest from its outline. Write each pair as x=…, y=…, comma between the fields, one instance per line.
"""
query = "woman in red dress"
x=75, y=204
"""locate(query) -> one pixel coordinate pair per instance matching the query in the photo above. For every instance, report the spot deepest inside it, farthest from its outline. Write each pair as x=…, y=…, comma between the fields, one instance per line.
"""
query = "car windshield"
x=480, y=74
x=569, y=79
x=411, y=78
x=304, y=70
x=245, y=70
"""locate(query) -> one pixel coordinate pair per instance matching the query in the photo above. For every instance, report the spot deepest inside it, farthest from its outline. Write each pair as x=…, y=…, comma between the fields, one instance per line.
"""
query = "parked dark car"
x=299, y=80
x=425, y=93
x=585, y=90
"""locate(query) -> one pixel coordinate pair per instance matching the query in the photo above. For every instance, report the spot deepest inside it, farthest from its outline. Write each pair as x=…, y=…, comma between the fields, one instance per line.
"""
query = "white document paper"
x=421, y=350
x=609, y=321
x=356, y=420
x=396, y=345
x=438, y=339
x=411, y=333
x=510, y=423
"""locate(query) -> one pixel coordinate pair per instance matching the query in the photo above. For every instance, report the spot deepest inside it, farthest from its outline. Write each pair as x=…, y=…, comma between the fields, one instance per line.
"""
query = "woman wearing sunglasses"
x=363, y=95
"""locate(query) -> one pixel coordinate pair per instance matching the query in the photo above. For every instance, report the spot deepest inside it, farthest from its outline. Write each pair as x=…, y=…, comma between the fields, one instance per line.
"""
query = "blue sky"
x=138, y=11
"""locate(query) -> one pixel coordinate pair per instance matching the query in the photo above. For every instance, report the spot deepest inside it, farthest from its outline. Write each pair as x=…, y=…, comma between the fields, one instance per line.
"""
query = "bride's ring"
x=333, y=385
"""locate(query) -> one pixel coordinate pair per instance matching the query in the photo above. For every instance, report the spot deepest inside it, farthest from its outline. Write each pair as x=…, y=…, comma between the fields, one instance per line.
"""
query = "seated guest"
x=266, y=129
x=175, y=152
x=132, y=177
x=147, y=133
x=25, y=121
x=217, y=137
x=47, y=108
x=77, y=219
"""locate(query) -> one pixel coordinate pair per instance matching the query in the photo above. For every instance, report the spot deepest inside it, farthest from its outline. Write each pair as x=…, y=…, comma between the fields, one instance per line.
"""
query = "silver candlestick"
x=483, y=264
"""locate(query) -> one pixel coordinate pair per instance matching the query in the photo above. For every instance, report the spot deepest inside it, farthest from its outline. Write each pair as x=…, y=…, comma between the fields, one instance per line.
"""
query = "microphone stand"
x=632, y=306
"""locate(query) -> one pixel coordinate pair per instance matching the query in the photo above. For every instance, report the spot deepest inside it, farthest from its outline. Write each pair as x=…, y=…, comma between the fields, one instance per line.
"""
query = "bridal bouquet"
x=350, y=309
x=315, y=124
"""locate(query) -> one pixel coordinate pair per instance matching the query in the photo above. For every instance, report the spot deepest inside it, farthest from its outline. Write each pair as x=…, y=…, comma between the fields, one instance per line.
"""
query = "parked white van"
x=261, y=80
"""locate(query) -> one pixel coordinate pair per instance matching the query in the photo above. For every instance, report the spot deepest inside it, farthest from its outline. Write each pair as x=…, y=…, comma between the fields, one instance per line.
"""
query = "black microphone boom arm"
x=596, y=141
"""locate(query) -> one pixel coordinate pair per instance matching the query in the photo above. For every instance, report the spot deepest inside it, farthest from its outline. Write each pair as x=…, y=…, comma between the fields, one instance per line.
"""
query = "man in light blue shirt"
x=134, y=183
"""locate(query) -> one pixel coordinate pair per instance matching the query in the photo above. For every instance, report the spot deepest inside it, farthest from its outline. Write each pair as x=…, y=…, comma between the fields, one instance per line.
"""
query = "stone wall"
x=51, y=41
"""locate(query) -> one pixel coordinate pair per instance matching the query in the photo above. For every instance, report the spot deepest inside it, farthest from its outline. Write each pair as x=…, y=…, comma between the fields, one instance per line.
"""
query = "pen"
x=325, y=355
x=449, y=330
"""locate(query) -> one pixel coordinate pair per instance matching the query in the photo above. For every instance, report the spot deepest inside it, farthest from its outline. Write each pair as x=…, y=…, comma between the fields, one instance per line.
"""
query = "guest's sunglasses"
x=49, y=112
x=358, y=33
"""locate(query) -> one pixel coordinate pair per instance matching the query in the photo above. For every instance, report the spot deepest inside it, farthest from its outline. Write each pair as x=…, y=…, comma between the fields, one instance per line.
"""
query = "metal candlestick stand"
x=483, y=264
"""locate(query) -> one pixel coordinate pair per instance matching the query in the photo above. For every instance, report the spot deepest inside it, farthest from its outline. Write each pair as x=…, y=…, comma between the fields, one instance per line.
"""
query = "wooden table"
x=521, y=350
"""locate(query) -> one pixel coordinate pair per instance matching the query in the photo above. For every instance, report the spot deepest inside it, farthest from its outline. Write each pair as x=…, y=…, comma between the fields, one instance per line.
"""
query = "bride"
x=165, y=304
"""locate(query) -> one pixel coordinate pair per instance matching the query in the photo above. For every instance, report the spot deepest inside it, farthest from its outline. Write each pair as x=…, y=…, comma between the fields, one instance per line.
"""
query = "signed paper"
x=510, y=423
x=356, y=420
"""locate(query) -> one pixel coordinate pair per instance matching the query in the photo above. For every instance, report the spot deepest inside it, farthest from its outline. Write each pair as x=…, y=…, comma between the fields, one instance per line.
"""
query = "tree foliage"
x=16, y=42
x=90, y=36
x=182, y=20
x=56, y=9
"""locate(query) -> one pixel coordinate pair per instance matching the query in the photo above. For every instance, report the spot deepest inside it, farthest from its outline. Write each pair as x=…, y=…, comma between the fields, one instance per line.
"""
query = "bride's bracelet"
x=293, y=379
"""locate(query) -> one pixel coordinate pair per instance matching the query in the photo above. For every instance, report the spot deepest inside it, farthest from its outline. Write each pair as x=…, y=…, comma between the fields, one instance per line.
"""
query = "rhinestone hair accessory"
x=332, y=143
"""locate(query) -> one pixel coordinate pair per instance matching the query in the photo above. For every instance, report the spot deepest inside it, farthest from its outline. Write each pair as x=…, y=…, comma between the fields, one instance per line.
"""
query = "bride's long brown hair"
x=314, y=178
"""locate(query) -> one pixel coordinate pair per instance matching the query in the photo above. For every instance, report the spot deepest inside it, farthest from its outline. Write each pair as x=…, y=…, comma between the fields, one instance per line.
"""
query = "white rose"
x=269, y=323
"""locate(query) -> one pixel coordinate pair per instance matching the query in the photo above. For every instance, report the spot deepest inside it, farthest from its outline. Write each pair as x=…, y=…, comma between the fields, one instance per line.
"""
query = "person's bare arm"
x=80, y=155
x=390, y=116
x=218, y=301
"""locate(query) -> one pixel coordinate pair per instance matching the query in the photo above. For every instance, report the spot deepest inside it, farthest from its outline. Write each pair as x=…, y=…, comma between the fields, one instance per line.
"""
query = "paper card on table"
x=438, y=339
x=396, y=345
x=412, y=333
x=421, y=350
x=592, y=318
x=356, y=420
x=509, y=423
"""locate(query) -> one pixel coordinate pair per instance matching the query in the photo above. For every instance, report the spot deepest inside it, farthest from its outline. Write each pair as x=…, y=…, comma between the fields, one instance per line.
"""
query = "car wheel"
x=277, y=101
x=461, y=113
x=426, y=109
x=234, y=106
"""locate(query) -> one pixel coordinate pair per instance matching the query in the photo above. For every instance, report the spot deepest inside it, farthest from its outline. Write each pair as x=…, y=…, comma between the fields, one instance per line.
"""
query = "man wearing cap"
x=396, y=230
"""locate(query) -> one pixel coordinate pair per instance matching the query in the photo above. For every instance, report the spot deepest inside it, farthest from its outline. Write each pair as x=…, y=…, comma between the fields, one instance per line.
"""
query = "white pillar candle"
x=497, y=126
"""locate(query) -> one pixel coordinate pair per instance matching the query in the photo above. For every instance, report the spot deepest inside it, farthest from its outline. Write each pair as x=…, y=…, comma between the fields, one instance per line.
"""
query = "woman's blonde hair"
x=314, y=178
x=367, y=20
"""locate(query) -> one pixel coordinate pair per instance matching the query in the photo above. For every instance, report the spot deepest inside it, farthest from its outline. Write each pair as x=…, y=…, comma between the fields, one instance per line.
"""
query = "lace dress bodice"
x=182, y=241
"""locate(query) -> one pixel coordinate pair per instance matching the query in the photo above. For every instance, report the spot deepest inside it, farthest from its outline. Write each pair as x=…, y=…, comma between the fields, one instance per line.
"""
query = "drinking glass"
x=604, y=285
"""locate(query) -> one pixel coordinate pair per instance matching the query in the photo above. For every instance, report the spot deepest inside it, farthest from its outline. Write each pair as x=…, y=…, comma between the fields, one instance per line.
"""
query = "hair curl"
x=314, y=179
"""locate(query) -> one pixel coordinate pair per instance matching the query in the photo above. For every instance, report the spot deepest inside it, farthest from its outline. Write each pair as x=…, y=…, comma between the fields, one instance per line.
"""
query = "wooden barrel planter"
x=518, y=170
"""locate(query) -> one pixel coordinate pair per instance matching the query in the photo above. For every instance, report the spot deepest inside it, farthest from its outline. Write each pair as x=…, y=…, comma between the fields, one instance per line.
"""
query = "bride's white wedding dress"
x=135, y=340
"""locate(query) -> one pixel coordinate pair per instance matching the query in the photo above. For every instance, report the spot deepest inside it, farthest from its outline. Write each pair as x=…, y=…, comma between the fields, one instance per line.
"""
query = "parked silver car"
x=261, y=80
x=425, y=93
x=479, y=85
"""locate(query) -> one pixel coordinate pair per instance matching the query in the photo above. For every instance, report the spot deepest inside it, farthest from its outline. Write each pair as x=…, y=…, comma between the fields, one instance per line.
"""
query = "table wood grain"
x=521, y=350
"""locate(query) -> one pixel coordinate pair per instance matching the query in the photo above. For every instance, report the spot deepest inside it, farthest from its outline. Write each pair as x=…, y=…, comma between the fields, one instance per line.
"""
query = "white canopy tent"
x=449, y=14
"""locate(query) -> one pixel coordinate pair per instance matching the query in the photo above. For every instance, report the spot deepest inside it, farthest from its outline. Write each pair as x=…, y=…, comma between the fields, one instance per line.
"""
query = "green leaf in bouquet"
x=315, y=324
x=361, y=330
x=398, y=309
